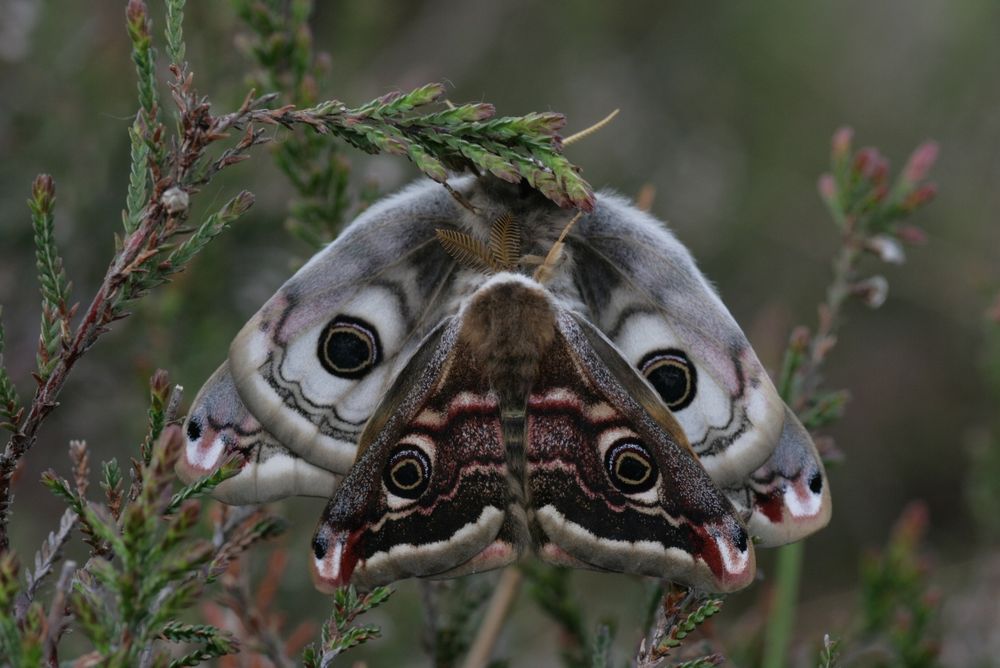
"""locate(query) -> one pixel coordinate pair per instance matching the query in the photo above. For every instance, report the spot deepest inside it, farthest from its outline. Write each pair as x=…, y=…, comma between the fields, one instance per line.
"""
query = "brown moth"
x=458, y=412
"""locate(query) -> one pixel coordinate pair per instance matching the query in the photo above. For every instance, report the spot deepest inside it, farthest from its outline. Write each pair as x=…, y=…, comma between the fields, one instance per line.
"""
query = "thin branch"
x=45, y=559
x=59, y=616
x=496, y=614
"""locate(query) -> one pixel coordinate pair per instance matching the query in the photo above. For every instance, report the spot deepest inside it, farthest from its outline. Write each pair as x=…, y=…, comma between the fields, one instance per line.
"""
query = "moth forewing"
x=220, y=428
x=429, y=495
x=312, y=363
x=398, y=397
x=644, y=291
x=636, y=386
x=609, y=487
x=787, y=498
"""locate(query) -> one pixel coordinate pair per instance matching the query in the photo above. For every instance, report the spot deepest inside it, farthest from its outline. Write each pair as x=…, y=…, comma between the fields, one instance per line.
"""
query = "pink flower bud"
x=828, y=450
x=861, y=160
x=911, y=234
x=138, y=19
x=827, y=187
x=135, y=11
x=159, y=384
x=44, y=187
x=840, y=146
x=867, y=162
x=920, y=162
x=920, y=196
x=800, y=337
x=911, y=526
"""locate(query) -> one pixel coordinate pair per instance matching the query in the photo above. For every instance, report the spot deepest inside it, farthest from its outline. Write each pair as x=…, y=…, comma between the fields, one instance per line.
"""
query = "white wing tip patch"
x=201, y=455
x=735, y=562
x=802, y=505
x=328, y=569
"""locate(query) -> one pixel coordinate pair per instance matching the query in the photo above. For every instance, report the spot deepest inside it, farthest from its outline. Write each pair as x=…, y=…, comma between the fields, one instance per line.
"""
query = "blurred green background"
x=726, y=110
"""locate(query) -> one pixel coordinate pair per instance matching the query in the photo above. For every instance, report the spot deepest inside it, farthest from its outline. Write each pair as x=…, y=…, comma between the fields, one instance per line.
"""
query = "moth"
x=460, y=407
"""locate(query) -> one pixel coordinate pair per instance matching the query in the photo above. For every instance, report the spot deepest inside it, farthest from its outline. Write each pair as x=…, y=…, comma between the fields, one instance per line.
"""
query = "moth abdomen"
x=512, y=425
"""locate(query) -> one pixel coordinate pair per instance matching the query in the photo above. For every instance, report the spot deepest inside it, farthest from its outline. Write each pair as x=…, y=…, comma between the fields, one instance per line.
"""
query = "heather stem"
x=796, y=388
x=781, y=621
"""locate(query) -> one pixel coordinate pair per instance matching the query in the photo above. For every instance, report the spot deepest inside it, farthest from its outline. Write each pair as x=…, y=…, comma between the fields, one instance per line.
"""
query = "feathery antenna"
x=502, y=253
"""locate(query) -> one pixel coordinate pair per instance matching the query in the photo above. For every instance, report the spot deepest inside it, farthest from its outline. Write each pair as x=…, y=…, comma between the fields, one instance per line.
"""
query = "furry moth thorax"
x=614, y=417
x=507, y=326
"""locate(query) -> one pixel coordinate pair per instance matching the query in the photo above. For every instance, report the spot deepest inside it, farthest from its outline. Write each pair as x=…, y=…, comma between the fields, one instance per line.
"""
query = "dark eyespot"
x=741, y=539
x=319, y=546
x=816, y=483
x=630, y=467
x=193, y=429
x=407, y=473
x=672, y=375
x=349, y=347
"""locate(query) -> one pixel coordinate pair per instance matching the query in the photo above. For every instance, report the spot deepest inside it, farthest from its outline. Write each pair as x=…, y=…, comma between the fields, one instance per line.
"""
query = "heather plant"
x=146, y=565
x=165, y=573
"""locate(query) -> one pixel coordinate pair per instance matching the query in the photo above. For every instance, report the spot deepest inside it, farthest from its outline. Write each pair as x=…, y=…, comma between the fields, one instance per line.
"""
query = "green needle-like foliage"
x=149, y=565
x=339, y=632
x=21, y=641
x=138, y=181
x=600, y=653
x=143, y=56
x=682, y=629
x=281, y=46
x=51, y=276
x=870, y=212
x=829, y=653
x=466, y=137
x=454, y=614
x=174, y=32
x=10, y=411
x=897, y=602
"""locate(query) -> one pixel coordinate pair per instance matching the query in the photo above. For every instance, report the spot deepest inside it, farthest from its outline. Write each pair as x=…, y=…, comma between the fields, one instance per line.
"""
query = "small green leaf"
x=10, y=410
x=51, y=276
x=205, y=485
x=138, y=182
x=175, y=31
